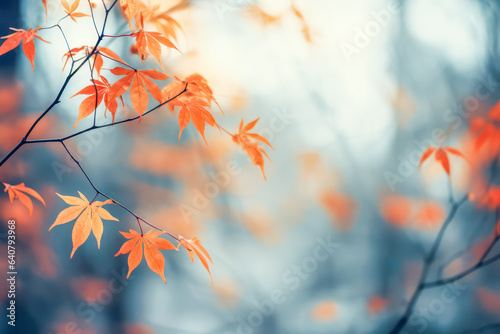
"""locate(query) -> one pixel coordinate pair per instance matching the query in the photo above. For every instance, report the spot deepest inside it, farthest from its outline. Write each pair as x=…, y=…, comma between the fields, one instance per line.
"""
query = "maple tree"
x=192, y=97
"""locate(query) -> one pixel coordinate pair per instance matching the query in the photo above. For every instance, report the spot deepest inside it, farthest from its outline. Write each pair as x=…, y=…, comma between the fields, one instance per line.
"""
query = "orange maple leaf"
x=441, y=155
x=45, y=6
x=194, y=246
x=71, y=53
x=194, y=110
x=150, y=41
x=139, y=83
x=13, y=40
x=89, y=216
x=198, y=88
x=152, y=243
x=252, y=148
x=19, y=191
x=129, y=8
x=96, y=57
x=71, y=10
x=89, y=104
x=163, y=22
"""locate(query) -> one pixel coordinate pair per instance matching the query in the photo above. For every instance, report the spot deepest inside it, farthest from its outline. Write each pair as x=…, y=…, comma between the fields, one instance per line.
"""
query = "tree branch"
x=481, y=263
x=99, y=192
x=427, y=264
x=68, y=78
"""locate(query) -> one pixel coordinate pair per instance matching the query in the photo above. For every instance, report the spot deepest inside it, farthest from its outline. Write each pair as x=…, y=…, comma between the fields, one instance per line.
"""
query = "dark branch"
x=427, y=264
x=99, y=192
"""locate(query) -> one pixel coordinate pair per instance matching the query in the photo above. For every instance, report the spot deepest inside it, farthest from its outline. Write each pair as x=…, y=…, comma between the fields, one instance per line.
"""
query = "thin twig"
x=99, y=192
x=427, y=264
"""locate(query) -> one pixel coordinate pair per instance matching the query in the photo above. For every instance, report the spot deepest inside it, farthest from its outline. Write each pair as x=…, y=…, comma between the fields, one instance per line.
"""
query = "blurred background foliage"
x=349, y=93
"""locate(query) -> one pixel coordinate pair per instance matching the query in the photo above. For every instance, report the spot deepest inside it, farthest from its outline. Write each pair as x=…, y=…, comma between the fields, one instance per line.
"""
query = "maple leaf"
x=71, y=53
x=90, y=104
x=139, y=83
x=163, y=22
x=149, y=41
x=13, y=40
x=110, y=54
x=71, y=10
x=152, y=244
x=96, y=57
x=194, y=110
x=198, y=88
x=44, y=2
x=21, y=192
x=129, y=8
x=88, y=218
x=441, y=155
x=252, y=148
x=194, y=246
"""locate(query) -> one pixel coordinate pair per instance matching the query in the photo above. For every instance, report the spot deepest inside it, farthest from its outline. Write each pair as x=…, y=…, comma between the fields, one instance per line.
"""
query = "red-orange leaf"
x=45, y=6
x=151, y=243
x=427, y=154
x=13, y=40
x=443, y=159
x=20, y=192
x=441, y=155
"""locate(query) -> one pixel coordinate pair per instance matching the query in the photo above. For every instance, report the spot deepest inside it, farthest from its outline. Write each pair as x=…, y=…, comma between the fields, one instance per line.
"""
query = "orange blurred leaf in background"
x=376, y=304
x=21, y=193
x=324, y=311
x=396, y=210
x=489, y=300
x=340, y=207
